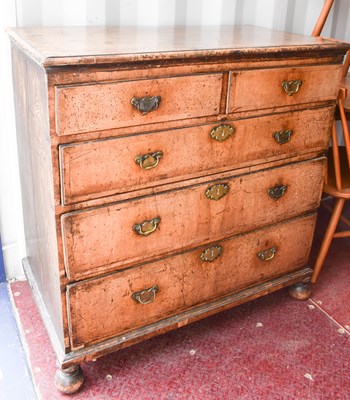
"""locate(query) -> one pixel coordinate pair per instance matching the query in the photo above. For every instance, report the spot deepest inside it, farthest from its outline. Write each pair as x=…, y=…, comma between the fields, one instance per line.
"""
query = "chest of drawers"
x=167, y=174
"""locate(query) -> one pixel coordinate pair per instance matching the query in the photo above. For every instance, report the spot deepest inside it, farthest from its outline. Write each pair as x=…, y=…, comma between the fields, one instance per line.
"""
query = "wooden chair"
x=337, y=182
x=322, y=18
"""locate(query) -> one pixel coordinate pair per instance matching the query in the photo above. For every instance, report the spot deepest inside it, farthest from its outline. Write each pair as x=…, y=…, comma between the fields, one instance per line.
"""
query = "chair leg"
x=327, y=238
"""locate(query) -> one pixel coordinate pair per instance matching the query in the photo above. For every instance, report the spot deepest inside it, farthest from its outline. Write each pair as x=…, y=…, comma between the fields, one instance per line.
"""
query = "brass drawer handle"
x=147, y=227
x=150, y=160
x=291, y=87
x=283, y=137
x=216, y=192
x=146, y=104
x=146, y=296
x=222, y=132
x=211, y=253
x=277, y=191
x=268, y=254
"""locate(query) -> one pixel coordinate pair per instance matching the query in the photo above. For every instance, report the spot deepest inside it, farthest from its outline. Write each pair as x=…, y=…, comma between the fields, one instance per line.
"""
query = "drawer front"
x=259, y=89
x=106, y=167
x=120, y=302
x=122, y=234
x=94, y=107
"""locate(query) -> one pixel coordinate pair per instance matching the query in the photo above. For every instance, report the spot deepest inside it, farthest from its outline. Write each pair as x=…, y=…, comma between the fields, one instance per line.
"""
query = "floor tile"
x=332, y=290
x=15, y=380
x=271, y=348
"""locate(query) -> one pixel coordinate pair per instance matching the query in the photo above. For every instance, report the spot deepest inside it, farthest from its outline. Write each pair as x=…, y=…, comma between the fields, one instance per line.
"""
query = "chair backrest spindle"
x=336, y=159
x=345, y=128
x=322, y=18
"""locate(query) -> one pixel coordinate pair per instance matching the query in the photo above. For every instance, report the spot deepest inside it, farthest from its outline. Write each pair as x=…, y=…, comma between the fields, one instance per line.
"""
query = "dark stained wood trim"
x=87, y=74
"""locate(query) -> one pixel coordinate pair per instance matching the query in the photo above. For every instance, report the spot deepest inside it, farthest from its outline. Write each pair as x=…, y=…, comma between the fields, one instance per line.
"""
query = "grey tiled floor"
x=15, y=380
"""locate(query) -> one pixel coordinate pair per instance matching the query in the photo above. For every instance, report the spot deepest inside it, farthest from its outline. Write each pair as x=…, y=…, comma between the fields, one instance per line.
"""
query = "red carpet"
x=271, y=348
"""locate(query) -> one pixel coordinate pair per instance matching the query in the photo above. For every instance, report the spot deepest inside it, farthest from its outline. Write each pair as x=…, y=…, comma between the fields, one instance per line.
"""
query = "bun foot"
x=300, y=291
x=69, y=380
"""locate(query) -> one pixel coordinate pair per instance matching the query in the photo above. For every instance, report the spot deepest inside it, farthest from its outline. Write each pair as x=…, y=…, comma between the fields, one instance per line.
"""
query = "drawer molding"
x=107, y=167
x=279, y=87
x=90, y=351
x=84, y=108
x=97, y=241
x=185, y=280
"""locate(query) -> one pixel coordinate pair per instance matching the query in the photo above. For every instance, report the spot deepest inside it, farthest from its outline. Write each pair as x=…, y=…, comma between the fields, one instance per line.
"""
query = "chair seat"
x=331, y=188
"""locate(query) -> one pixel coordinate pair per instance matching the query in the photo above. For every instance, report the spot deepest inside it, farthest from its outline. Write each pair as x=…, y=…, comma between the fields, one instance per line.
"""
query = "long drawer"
x=122, y=234
x=101, y=106
x=108, y=306
x=106, y=167
x=280, y=87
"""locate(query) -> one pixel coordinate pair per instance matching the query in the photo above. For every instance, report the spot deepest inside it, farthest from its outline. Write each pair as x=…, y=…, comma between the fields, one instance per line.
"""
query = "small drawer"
x=102, y=106
x=109, y=306
x=119, y=235
x=106, y=167
x=281, y=87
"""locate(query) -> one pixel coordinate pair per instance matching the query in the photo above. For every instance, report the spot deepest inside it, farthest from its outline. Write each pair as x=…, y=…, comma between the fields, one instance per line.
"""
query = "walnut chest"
x=167, y=174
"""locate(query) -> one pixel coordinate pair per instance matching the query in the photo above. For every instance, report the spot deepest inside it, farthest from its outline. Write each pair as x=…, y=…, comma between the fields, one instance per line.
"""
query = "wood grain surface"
x=96, y=107
x=263, y=88
x=36, y=177
x=79, y=136
x=101, y=45
x=101, y=308
x=106, y=167
x=103, y=239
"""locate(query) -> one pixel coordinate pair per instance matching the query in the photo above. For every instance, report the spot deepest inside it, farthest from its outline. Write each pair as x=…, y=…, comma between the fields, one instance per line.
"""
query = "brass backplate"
x=150, y=160
x=222, y=132
x=216, y=192
x=268, y=254
x=292, y=87
x=211, y=253
x=277, y=191
x=282, y=137
x=146, y=296
x=146, y=104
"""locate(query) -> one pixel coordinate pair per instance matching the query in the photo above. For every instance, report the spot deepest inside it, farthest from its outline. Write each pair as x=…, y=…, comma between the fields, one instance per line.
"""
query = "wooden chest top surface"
x=100, y=45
